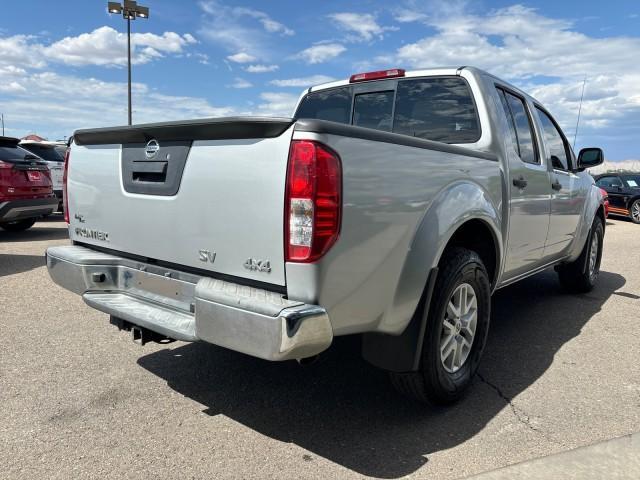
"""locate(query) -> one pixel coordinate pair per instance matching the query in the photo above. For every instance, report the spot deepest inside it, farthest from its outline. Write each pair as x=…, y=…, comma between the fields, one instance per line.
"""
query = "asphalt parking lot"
x=80, y=400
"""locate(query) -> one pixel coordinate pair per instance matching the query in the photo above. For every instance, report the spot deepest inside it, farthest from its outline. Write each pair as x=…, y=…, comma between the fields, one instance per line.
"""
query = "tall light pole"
x=130, y=11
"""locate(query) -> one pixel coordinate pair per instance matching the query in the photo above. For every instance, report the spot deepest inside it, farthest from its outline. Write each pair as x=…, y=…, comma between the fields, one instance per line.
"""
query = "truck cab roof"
x=425, y=72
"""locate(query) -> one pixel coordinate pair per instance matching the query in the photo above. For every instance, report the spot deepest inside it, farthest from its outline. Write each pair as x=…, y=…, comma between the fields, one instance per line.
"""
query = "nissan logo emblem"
x=152, y=148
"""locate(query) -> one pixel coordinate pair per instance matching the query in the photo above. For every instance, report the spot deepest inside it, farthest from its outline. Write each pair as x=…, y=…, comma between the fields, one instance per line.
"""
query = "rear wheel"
x=456, y=331
x=18, y=226
x=580, y=276
x=634, y=211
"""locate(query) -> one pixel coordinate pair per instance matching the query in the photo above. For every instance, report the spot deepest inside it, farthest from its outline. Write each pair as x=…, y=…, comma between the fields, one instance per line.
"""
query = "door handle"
x=519, y=182
x=556, y=185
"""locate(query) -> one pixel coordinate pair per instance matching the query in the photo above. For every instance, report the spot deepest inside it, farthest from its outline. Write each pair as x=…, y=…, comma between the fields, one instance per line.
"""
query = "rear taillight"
x=65, y=195
x=5, y=180
x=313, y=201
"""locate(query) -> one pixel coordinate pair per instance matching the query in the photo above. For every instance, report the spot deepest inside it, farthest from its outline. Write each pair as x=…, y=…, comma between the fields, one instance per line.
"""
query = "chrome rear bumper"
x=190, y=307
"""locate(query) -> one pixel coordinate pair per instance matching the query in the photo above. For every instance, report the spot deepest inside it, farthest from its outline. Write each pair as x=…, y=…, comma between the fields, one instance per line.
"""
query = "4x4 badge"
x=258, y=265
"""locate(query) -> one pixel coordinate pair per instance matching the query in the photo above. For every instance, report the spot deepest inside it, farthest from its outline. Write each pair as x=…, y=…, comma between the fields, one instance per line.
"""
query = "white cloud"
x=55, y=105
x=406, y=15
x=269, y=24
x=203, y=58
x=240, y=29
x=242, y=57
x=104, y=46
x=11, y=87
x=320, y=53
x=363, y=26
x=241, y=83
x=19, y=50
x=545, y=56
x=277, y=104
x=261, y=68
x=302, y=82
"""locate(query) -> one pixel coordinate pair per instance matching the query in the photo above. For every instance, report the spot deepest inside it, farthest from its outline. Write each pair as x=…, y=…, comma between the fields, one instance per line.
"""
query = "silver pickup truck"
x=392, y=205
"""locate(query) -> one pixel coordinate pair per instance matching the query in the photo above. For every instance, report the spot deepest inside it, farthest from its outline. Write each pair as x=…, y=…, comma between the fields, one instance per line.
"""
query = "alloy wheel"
x=458, y=328
x=593, y=255
x=635, y=212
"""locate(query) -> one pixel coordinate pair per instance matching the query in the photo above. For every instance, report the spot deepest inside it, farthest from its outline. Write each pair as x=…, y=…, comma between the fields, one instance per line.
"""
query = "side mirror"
x=590, y=157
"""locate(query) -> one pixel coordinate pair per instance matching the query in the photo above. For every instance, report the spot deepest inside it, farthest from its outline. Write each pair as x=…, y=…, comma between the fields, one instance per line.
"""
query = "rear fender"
x=452, y=208
x=592, y=204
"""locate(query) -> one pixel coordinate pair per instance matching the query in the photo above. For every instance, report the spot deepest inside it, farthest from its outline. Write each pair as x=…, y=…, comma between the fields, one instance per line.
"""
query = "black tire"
x=580, y=276
x=433, y=383
x=18, y=226
x=634, y=212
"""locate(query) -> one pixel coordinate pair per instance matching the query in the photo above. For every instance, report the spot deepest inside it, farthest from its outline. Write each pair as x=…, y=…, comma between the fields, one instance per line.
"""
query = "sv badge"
x=207, y=256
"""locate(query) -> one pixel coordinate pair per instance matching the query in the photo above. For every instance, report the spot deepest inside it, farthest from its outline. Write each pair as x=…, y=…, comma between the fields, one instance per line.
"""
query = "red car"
x=605, y=195
x=26, y=192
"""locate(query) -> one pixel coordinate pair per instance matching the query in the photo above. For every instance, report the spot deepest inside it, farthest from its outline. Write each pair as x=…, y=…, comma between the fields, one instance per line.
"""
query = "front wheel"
x=18, y=226
x=456, y=331
x=580, y=276
x=634, y=211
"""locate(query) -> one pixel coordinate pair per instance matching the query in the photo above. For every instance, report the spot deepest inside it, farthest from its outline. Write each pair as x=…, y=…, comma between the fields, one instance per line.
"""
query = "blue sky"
x=65, y=69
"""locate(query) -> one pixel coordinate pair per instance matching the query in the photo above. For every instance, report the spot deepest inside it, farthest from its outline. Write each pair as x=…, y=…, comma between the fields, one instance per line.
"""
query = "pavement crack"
x=520, y=414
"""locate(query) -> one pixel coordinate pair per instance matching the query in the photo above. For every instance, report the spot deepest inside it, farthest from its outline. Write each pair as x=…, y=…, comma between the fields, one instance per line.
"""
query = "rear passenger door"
x=529, y=199
x=568, y=191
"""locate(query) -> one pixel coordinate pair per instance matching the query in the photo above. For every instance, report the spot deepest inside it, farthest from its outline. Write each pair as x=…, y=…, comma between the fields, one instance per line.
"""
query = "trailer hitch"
x=140, y=335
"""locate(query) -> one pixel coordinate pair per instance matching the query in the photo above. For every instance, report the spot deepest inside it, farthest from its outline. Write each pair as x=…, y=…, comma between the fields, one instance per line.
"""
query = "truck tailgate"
x=205, y=197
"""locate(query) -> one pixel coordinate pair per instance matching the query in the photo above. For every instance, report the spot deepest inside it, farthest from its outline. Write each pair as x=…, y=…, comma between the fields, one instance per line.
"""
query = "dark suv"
x=26, y=192
x=624, y=193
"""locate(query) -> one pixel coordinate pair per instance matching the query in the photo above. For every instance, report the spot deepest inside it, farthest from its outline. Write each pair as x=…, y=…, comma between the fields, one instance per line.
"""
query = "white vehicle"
x=53, y=154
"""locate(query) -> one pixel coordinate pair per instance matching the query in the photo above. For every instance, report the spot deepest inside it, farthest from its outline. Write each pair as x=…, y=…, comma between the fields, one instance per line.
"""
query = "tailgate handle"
x=149, y=171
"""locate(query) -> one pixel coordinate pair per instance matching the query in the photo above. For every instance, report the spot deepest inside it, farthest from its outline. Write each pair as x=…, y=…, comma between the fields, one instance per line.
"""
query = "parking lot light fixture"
x=130, y=10
x=114, y=7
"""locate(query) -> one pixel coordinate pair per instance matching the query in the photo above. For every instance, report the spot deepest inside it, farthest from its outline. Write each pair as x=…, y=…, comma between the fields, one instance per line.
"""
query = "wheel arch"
x=634, y=198
x=463, y=216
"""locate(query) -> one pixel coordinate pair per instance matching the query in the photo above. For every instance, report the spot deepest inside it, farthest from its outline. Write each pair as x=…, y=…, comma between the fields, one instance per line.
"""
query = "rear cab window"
x=374, y=110
x=434, y=108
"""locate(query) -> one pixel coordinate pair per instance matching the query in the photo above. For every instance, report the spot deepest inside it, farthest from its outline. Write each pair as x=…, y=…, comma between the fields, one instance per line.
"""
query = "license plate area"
x=161, y=289
x=34, y=176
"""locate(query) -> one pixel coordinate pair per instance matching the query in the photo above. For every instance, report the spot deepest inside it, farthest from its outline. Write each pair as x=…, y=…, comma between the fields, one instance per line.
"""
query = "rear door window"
x=440, y=109
x=517, y=114
x=510, y=123
x=373, y=110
